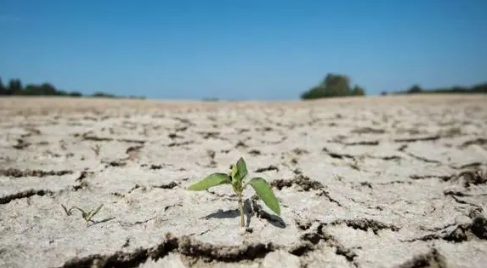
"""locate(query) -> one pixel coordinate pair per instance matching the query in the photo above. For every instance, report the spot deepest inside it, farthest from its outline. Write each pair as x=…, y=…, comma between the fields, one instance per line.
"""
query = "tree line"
x=332, y=85
x=338, y=85
x=15, y=87
x=480, y=88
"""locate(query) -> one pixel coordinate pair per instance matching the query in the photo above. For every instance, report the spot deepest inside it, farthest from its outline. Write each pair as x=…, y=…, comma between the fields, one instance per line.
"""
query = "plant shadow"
x=223, y=214
x=94, y=222
x=250, y=209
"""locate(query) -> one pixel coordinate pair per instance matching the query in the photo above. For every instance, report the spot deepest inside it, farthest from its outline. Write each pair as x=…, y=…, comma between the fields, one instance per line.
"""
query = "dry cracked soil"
x=362, y=182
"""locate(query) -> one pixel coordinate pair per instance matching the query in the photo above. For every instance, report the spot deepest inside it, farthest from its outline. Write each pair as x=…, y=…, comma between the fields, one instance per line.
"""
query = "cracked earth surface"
x=374, y=182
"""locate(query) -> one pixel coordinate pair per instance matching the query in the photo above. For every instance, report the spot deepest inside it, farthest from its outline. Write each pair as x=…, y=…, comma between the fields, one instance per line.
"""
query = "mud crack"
x=17, y=173
x=133, y=152
x=269, y=168
x=459, y=233
x=336, y=155
x=426, y=160
x=418, y=177
x=363, y=143
x=430, y=259
x=170, y=185
x=89, y=137
x=177, y=144
x=184, y=245
x=81, y=180
x=21, y=144
x=24, y=194
x=211, y=135
x=368, y=130
x=311, y=241
x=305, y=184
x=366, y=224
x=479, y=141
x=471, y=177
x=428, y=138
x=254, y=152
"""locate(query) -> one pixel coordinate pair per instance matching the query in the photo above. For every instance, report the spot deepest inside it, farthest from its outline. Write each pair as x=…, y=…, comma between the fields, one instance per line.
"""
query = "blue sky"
x=236, y=49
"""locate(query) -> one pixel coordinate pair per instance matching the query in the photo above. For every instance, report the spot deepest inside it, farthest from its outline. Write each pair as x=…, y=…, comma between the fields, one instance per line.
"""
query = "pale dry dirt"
x=363, y=182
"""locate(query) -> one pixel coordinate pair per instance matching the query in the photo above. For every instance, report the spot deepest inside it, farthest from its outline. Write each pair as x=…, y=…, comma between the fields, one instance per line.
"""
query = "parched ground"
x=367, y=182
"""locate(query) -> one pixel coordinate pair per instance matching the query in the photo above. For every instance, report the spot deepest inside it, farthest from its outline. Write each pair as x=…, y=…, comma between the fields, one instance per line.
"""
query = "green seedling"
x=235, y=178
x=86, y=215
x=68, y=211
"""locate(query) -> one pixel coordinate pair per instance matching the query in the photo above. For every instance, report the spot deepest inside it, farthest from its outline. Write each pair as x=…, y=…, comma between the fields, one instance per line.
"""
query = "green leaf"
x=264, y=191
x=68, y=211
x=212, y=180
x=240, y=170
x=93, y=213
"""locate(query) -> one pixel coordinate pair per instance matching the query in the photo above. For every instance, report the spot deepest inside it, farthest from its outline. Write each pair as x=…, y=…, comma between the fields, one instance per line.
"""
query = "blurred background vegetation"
x=15, y=87
x=333, y=85
x=338, y=85
x=416, y=89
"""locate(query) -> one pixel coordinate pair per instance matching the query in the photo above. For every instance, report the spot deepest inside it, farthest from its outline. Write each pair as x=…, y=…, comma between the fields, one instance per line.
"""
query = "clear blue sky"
x=241, y=49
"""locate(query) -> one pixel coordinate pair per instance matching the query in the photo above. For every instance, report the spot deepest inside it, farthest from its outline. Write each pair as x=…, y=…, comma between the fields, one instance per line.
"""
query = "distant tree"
x=75, y=94
x=459, y=89
x=314, y=93
x=415, y=89
x=358, y=91
x=45, y=89
x=480, y=88
x=383, y=93
x=337, y=85
x=3, y=89
x=333, y=85
x=48, y=89
x=61, y=93
x=30, y=90
x=14, y=87
x=99, y=94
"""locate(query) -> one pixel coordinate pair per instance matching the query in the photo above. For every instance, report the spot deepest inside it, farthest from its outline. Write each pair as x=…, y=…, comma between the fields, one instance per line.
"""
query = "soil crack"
x=170, y=185
x=469, y=177
x=24, y=194
x=177, y=144
x=363, y=143
x=305, y=184
x=17, y=173
x=269, y=168
x=337, y=155
x=429, y=138
x=88, y=137
x=460, y=233
x=184, y=245
x=479, y=141
x=430, y=259
x=365, y=224
x=311, y=242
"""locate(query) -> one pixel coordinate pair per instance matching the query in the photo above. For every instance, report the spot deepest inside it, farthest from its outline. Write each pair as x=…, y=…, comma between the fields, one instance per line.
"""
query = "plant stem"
x=240, y=207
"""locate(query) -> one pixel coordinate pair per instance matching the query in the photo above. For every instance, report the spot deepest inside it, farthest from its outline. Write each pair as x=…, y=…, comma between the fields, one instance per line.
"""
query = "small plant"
x=235, y=178
x=86, y=215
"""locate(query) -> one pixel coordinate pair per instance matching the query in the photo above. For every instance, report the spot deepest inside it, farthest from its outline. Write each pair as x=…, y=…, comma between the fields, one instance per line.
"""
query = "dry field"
x=374, y=182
